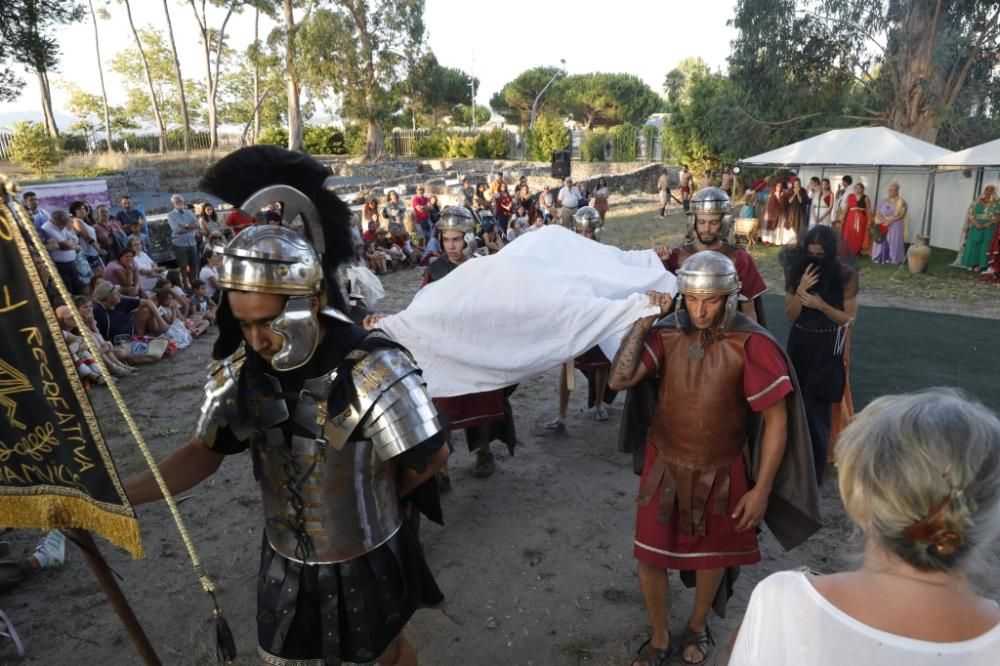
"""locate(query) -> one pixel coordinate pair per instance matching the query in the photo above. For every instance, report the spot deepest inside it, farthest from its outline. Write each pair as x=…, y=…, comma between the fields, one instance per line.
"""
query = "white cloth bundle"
x=366, y=284
x=545, y=299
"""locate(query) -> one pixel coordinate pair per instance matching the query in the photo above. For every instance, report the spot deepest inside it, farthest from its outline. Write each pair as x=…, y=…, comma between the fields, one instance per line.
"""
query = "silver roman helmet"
x=273, y=259
x=588, y=218
x=710, y=274
x=459, y=218
x=712, y=200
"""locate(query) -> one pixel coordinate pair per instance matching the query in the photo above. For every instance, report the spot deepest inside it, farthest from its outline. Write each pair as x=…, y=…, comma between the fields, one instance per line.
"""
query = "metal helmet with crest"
x=275, y=259
x=588, y=217
x=461, y=219
x=708, y=201
x=709, y=274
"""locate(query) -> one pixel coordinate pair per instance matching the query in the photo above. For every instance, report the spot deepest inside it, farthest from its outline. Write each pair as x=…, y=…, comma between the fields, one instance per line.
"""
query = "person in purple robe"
x=890, y=231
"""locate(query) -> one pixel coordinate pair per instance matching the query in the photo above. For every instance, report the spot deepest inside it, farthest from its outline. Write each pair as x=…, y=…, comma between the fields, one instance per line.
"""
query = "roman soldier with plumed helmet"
x=716, y=374
x=709, y=225
x=337, y=420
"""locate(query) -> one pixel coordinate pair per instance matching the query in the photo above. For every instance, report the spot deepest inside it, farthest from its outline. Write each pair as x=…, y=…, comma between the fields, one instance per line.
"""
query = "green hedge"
x=548, y=136
x=624, y=140
x=592, y=145
x=491, y=145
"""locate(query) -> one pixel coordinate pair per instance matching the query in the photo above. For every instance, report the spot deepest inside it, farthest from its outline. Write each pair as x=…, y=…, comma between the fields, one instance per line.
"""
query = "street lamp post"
x=534, y=107
x=472, y=85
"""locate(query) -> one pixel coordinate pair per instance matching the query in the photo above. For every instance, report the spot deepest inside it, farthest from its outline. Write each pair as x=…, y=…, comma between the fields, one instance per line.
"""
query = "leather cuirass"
x=702, y=412
x=326, y=498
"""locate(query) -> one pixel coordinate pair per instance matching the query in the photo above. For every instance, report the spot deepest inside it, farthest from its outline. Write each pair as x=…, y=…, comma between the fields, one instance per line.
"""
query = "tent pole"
x=980, y=174
x=878, y=182
x=929, y=211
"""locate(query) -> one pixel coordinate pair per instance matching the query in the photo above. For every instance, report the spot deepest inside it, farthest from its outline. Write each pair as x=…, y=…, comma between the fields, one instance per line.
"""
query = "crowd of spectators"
x=123, y=296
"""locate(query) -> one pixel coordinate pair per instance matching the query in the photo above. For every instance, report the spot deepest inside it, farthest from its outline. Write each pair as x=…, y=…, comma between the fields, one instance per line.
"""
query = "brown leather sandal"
x=647, y=655
x=701, y=641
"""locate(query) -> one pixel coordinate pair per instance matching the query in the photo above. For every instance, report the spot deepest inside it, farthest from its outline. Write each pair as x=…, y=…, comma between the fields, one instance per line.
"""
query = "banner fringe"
x=49, y=512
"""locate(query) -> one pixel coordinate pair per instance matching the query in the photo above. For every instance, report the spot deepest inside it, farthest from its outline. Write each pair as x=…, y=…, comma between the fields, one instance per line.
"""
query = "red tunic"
x=765, y=381
x=855, y=225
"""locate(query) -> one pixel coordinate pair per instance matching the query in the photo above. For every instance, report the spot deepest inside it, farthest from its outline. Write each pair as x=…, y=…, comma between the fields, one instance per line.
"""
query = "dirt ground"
x=536, y=562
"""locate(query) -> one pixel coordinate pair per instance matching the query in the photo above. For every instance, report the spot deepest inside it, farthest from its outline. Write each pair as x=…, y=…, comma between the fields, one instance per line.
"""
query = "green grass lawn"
x=895, y=349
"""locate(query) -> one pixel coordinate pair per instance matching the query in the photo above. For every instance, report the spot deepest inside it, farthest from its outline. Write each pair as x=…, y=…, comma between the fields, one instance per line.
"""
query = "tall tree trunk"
x=294, y=103
x=50, y=117
x=213, y=89
x=375, y=150
x=180, y=81
x=100, y=74
x=256, y=74
x=149, y=80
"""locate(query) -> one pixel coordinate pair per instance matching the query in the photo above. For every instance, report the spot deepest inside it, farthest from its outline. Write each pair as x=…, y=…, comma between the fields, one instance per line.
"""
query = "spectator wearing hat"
x=122, y=317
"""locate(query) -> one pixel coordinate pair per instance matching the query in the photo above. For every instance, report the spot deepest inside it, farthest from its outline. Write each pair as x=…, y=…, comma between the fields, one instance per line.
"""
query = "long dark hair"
x=832, y=269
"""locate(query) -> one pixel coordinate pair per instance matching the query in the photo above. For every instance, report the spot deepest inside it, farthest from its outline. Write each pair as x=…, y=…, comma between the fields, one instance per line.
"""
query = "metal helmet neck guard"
x=588, y=218
x=711, y=201
x=709, y=274
x=459, y=218
x=271, y=259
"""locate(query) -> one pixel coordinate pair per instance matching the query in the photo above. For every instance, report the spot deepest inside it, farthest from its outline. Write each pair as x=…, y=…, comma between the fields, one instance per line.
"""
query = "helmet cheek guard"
x=298, y=328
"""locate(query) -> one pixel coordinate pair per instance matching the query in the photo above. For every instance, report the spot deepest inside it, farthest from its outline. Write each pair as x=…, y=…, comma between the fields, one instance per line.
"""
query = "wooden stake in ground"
x=114, y=594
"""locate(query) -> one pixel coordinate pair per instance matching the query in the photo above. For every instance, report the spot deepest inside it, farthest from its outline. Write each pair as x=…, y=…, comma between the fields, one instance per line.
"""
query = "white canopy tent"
x=876, y=157
x=959, y=178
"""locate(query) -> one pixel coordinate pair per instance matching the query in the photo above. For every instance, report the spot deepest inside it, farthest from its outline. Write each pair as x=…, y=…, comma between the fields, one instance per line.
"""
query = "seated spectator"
x=86, y=365
x=113, y=357
x=378, y=261
x=401, y=239
x=384, y=242
x=483, y=197
x=178, y=330
x=202, y=306
x=149, y=271
x=124, y=273
x=521, y=218
x=370, y=234
x=209, y=274
x=920, y=476
x=120, y=318
x=172, y=282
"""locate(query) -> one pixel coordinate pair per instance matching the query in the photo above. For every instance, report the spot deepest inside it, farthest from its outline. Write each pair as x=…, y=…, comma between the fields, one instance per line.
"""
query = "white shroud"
x=546, y=298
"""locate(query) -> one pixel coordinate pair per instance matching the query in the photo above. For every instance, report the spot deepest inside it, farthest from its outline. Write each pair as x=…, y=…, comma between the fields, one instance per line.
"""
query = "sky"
x=642, y=37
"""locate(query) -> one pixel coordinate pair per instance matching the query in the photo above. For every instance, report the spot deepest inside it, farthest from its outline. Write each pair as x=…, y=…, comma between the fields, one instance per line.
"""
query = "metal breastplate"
x=326, y=499
x=702, y=413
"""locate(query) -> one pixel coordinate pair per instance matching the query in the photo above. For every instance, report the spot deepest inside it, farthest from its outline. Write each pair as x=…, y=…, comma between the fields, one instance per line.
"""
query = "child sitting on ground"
x=178, y=331
x=202, y=306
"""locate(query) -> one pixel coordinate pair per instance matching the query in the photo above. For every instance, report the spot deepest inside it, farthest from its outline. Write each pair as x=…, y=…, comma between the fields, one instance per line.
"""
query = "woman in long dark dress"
x=821, y=303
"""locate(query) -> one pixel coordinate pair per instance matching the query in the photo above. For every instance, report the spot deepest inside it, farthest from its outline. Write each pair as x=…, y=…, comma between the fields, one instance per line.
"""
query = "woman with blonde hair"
x=920, y=477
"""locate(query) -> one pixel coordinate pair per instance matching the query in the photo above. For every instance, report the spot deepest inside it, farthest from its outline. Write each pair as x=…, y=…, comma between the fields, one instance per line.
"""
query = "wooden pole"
x=114, y=594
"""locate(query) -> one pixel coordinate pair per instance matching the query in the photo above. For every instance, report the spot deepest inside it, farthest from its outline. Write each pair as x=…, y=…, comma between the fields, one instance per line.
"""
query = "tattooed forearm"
x=629, y=355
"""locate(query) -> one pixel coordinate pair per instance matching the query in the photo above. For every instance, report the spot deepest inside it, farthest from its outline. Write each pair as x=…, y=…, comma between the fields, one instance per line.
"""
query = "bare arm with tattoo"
x=627, y=369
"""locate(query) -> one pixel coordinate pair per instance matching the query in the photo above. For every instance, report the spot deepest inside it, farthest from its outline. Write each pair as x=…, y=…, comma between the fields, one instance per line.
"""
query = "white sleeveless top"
x=789, y=622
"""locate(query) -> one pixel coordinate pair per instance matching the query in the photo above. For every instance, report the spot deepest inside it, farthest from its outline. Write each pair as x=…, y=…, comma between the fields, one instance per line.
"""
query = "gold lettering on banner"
x=12, y=382
x=72, y=430
x=7, y=305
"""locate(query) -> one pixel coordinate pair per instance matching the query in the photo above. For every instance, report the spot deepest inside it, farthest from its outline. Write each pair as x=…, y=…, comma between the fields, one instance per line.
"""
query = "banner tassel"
x=225, y=644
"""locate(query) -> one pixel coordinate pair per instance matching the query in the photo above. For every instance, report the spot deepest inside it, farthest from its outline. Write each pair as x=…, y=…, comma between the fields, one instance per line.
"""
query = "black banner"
x=55, y=468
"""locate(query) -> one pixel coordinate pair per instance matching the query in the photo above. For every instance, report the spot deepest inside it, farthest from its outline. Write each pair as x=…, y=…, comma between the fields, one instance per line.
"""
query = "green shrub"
x=356, y=137
x=624, y=142
x=76, y=143
x=32, y=147
x=461, y=146
x=323, y=140
x=275, y=136
x=592, y=145
x=491, y=145
x=434, y=144
x=548, y=135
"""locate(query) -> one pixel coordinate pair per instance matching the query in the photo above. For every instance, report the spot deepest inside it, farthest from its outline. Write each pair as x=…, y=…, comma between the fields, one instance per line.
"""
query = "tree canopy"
x=515, y=99
x=602, y=99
